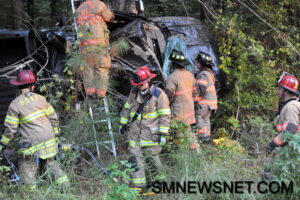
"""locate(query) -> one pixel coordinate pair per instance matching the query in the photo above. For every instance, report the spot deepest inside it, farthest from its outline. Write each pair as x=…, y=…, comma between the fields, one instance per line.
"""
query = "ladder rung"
x=100, y=121
x=105, y=142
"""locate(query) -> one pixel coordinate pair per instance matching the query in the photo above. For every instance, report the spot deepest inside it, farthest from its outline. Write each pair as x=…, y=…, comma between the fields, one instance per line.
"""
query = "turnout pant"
x=28, y=168
x=95, y=75
x=203, y=121
x=142, y=158
x=190, y=137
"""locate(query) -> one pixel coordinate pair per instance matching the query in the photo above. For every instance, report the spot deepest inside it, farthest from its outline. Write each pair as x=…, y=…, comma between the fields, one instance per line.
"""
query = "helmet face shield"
x=179, y=58
x=204, y=58
x=282, y=75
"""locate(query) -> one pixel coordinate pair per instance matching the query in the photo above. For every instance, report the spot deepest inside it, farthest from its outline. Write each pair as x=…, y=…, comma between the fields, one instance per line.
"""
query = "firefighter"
x=35, y=119
x=288, y=120
x=182, y=93
x=148, y=115
x=207, y=95
x=93, y=35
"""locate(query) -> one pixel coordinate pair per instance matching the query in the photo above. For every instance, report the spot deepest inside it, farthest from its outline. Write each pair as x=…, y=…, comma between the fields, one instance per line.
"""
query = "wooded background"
x=256, y=40
x=46, y=13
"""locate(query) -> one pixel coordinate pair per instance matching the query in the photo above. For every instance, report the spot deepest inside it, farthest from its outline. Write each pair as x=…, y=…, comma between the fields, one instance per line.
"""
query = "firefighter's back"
x=182, y=104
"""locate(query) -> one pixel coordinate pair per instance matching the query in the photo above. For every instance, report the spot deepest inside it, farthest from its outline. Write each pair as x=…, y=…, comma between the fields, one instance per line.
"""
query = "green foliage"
x=120, y=47
x=286, y=166
x=119, y=190
x=179, y=134
x=154, y=8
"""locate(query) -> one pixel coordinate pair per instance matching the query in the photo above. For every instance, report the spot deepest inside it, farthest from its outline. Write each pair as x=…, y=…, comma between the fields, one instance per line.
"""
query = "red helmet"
x=23, y=78
x=289, y=82
x=142, y=76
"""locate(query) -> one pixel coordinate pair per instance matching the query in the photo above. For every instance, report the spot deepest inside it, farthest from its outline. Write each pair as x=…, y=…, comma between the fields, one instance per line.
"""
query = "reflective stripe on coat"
x=181, y=90
x=290, y=113
x=155, y=118
x=35, y=119
x=207, y=90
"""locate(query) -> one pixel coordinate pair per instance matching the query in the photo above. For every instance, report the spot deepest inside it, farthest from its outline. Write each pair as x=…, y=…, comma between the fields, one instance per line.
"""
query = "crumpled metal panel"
x=195, y=34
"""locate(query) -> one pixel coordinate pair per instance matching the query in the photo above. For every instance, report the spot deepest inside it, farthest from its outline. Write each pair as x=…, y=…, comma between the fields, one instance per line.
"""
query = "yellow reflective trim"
x=133, y=113
x=148, y=143
x=5, y=140
x=50, y=155
x=56, y=130
x=164, y=129
x=165, y=111
x=132, y=143
x=152, y=115
x=39, y=147
x=11, y=119
x=139, y=180
x=61, y=180
x=37, y=114
x=123, y=120
x=127, y=105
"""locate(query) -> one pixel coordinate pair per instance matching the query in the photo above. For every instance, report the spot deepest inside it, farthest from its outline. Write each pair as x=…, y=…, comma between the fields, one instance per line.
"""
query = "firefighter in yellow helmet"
x=207, y=95
x=182, y=93
x=92, y=16
x=35, y=119
x=147, y=114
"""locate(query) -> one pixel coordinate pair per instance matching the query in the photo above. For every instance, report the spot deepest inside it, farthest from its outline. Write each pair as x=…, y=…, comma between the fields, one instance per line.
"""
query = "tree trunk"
x=30, y=10
x=130, y=6
x=54, y=9
x=124, y=5
x=17, y=10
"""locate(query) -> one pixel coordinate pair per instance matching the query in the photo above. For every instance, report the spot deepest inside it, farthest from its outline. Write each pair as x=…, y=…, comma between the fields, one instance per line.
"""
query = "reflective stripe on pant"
x=142, y=154
x=57, y=174
x=203, y=121
x=95, y=76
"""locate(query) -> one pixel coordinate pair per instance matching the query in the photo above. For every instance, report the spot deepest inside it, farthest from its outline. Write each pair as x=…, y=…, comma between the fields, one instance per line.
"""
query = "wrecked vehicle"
x=150, y=41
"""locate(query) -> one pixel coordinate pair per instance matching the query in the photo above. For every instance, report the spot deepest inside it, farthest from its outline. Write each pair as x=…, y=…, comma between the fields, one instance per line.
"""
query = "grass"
x=212, y=163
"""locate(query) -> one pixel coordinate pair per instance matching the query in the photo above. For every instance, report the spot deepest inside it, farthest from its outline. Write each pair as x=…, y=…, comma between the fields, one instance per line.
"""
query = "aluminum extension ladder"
x=108, y=144
x=74, y=16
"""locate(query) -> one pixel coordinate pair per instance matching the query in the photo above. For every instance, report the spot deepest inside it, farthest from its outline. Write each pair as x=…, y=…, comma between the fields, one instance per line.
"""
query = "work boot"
x=204, y=140
x=267, y=175
x=146, y=191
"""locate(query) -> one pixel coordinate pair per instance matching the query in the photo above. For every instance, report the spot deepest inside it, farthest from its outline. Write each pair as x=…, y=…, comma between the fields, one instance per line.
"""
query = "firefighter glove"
x=270, y=148
x=2, y=147
x=122, y=130
x=66, y=147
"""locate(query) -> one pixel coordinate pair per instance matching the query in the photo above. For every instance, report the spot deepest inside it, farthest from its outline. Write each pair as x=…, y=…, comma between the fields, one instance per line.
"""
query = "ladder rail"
x=108, y=120
x=74, y=17
x=111, y=140
x=110, y=127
